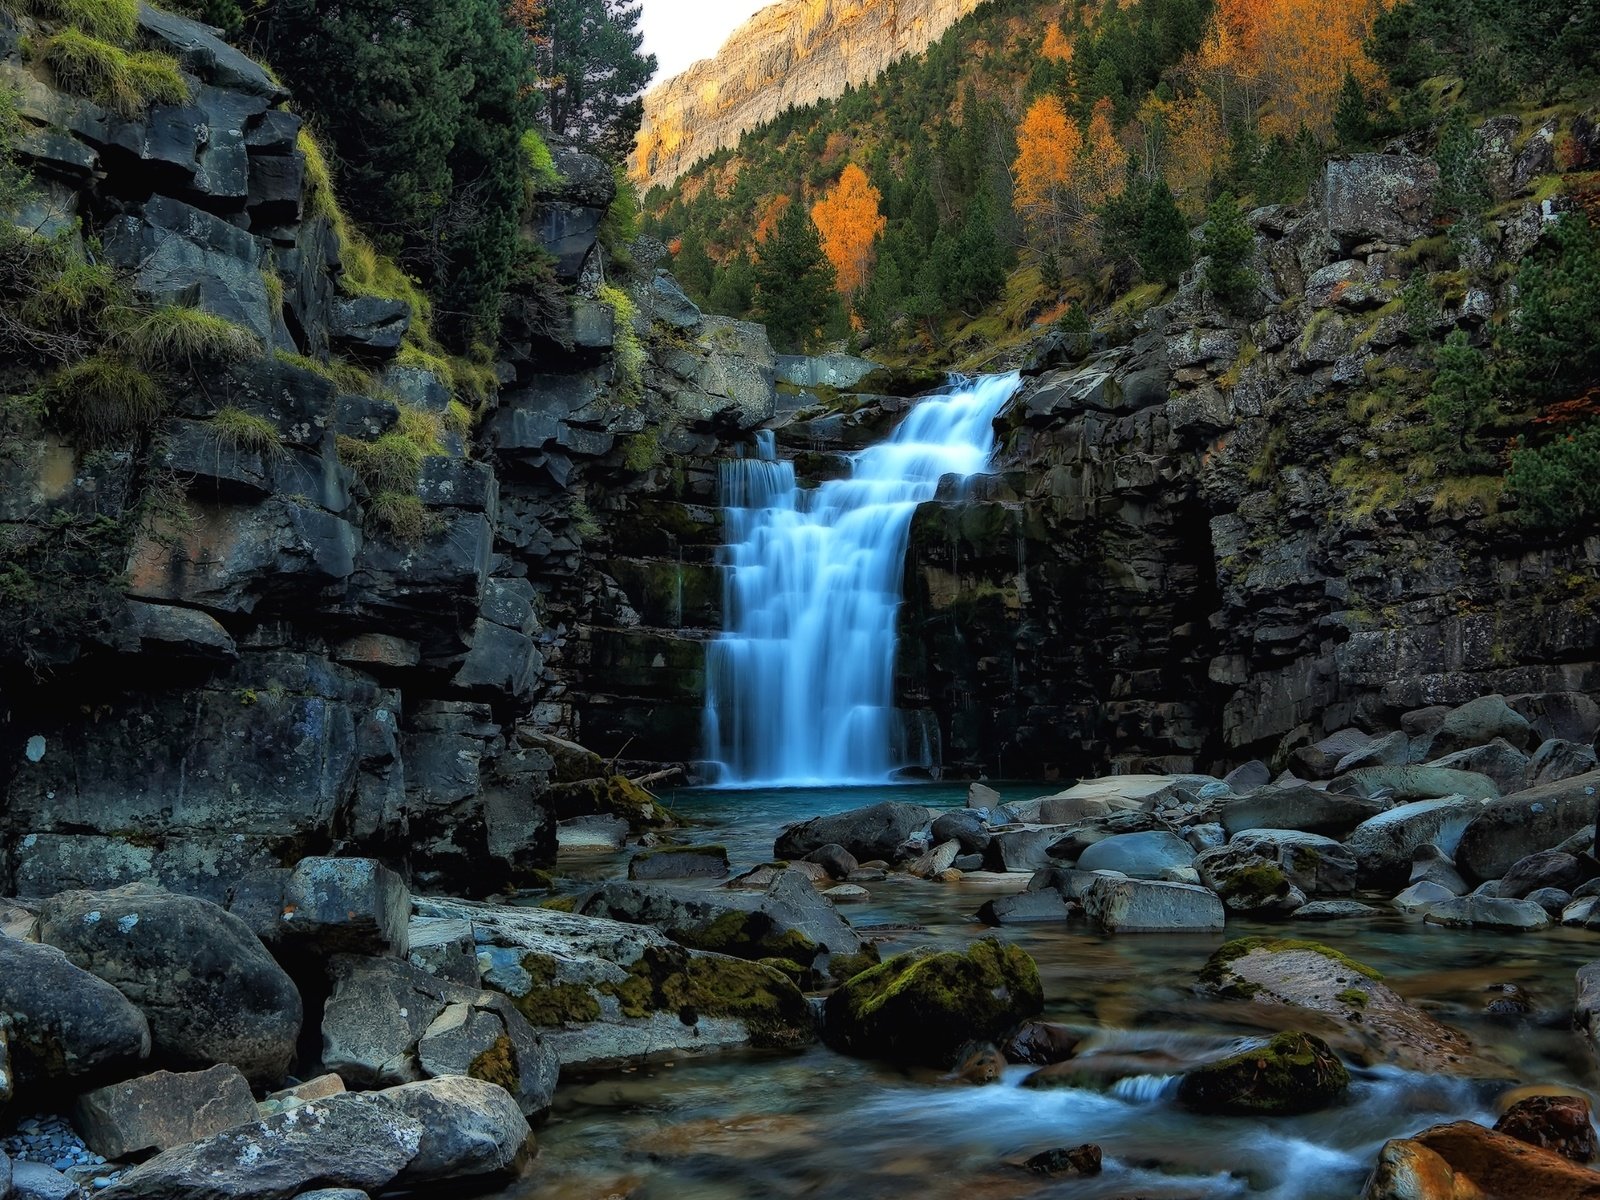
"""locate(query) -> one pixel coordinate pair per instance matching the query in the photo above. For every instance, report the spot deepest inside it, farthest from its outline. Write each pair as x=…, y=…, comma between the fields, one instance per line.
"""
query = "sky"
x=681, y=32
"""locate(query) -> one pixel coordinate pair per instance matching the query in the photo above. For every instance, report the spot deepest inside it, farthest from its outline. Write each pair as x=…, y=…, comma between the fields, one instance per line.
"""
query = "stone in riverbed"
x=1556, y=760
x=64, y=1023
x=1420, y=897
x=1487, y=912
x=1333, y=910
x=1546, y=869
x=1432, y=865
x=1247, y=882
x=36, y=1181
x=1138, y=855
x=345, y=1141
x=1415, y=783
x=1477, y=723
x=835, y=860
x=1026, y=908
x=1303, y=808
x=157, y=1112
x=680, y=862
x=1386, y=845
x=1148, y=906
x=1292, y=1073
x=470, y=1129
x=1505, y=831
x=1040, y=1043
x=1376, y=1024
x=1315, y=864
x=1561, y=1123
x=1499, y=761
x=877, y=831
x=1465, y=1159
x=5, y=1174
x=210, y=990
x=936, y=861
x=920, y=1007
x=1079, y=1160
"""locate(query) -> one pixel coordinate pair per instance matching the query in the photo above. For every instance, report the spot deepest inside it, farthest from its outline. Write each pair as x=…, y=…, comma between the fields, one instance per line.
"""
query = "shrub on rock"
x=921, y=1007
x=1293, y=1073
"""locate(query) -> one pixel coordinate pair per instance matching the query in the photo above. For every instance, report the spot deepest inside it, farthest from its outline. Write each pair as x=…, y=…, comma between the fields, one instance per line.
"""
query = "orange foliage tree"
x=1057, y=45
x=849, y=221
x=769, y=217
x=1048, y=145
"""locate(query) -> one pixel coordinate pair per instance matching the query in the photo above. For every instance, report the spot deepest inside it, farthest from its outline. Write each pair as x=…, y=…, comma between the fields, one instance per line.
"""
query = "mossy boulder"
x=921, y=1006
x=766, y=1002
x=1293, y=1073
x=614, y=795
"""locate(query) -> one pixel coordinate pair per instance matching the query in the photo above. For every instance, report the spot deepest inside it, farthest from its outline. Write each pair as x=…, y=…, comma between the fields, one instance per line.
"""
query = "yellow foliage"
x=849, y=221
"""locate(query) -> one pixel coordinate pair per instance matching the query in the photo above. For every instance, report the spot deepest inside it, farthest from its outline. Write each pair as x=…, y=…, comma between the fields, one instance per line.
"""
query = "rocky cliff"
x=789, y=54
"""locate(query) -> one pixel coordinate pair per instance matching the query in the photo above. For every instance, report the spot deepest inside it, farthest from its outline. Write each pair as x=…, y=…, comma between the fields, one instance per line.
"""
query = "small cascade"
x=800, y=685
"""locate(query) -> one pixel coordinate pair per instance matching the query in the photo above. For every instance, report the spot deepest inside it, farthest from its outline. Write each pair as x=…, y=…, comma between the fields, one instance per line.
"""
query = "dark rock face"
x=209, y=988
x=63, y=1022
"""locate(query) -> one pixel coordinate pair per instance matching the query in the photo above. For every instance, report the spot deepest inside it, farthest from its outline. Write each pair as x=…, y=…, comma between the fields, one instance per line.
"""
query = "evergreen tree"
x=1352, y=123
x=693, y=267
x=794, y=282
x=1463, y=186
x=589, y=54
x=733, y=292
x=1460, y=399
x=1551, y=343
x=1557, y=485
x=1227, y=243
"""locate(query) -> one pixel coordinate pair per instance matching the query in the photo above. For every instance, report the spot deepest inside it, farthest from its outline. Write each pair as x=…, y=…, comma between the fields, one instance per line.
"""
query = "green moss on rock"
x=1216, y=975
x=497, y=1065
x=921, y=1007
x=845, y=967
x=692, y=986
x=1293, y=1073
x=748, y=935
x=550, y=1002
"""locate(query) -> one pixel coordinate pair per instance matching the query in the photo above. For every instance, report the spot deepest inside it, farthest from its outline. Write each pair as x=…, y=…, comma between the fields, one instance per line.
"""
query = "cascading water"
x=800, y=685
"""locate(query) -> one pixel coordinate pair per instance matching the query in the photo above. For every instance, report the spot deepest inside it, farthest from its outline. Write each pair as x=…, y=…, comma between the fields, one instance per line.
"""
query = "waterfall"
x=800, y=685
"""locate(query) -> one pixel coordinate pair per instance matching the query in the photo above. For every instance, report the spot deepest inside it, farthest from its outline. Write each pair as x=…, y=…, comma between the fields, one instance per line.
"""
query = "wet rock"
x=1507, y=1000
x=1321, y=760
x=981, y=795
x=1138, y=855
x=1536, y=819
x=1127, y=793
x=62, y=1022
x=470, y=1129
x=921, y=1007
x=36, y=1181
x=1292, y=1073
x=1022, y=849
x=680, y=862
x=1553, y=900
x=1556, y=760
x=1315, y=864
x=157, y=1112
x=1466, y=1159
x=787, y=920
x=209, y=988
x=963, y=826
x=1390, y=750
x=1333, y=910
x=1416, y=783
x=978, y=1063
x=847, y=893
x=602, y=834
x=835, y=860
x=387, y=1023
x=1248, y=777
x=1026, y=908
x=1559, y=1123
x=1080, y=1160
x=1302, y=808
x=1040, y=1043
x=877, y=831
x=1487, y=912
x=1499, y=761
x=1420, y=897
x=1546, y=869
x=344, y=1141
x=1147, y=906
x=1386, y=845
x=5, y=1172
x=1432, y=865
x=1247, y=882
x=1376, y=1024
x=936, y=861
x=302, y=1094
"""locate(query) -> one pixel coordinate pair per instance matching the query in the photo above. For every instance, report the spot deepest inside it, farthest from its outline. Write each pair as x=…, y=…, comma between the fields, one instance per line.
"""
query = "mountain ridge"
x=792, y=53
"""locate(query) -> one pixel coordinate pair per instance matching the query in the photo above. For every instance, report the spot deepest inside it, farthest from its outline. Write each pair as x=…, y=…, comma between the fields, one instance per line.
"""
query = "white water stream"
x=800, y=685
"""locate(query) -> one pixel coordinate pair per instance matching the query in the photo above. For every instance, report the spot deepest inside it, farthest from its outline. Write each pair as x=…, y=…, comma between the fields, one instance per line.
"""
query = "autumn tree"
x=849, y=222
x=1048, y=146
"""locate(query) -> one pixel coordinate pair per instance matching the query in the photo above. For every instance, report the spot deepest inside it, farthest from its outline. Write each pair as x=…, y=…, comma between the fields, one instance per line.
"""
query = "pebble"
x=51, y=1141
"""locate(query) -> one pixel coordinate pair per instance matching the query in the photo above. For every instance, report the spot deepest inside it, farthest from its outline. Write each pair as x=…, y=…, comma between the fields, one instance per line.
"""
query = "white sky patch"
x=681, y=32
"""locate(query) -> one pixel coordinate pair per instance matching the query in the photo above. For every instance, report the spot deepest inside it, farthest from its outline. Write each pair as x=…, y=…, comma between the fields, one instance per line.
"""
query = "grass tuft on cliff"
x=629, y=349
x=104, y=399
x=125, y=81
x=175, y=335
x=112, y=20
x=240, y=430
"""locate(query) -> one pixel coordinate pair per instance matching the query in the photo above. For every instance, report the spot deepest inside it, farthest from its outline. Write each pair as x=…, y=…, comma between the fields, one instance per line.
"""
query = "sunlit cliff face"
x=792, y=53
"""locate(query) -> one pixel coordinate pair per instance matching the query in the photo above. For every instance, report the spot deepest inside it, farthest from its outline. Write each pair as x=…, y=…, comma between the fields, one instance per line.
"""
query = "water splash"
x=800, y=686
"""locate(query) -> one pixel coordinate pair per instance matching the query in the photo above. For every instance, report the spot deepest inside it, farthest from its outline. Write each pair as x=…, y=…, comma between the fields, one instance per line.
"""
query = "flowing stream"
x=815, y=1123
x=800, y=686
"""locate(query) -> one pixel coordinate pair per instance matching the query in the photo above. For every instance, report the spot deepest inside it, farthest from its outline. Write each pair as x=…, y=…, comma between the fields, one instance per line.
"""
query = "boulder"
x=1557, y=1122
x=1432, y=865
x=1292, y=1073
x=1297, y=807
x=1546, y=869
x=1487, y=912
x=680, y=862
x=981, y=795
x=1040, y=1043
x=1498, y=761
x=1386, y=845
x=1333, y=910
x=1321, y=760
x=386, y=1023
x=1378, y=198
x=1248, y=882
x=1249, y=776
x=875, y=832
x=1315, y=864
x=1138, y=855
x=5, y=1173
x=210, y=990
x=835, y=860
x=1553, y=900
x=921, y=1007
x=157, y=1112
x=62, y=1022
x=1026, y=908
x=1556, y=760
x=470, y=1128
x=1390, y=750
x=1148, y=906
x=1586, y=1008
x=1415, y=783
x=345, y=905
x=1477, y=723
x=1536, y=819
x=1420, y=897
x=36, y=1181
x=602, y=992
x=1570, y=716
x=343, y=1141
x=936, y=861
x=1077, y=1160
x=1125, y=793
x=787, y=920
x=1026, y=849
x=1374, y=1023
x=1465, y=1159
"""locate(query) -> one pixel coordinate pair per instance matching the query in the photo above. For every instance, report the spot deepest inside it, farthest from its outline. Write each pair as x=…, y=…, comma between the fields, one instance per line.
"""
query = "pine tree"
x=1164, y=249
x=1463, y=186
x=1352, y=123
x=693, y=267
x=1462, y=394
x=1227, y=244
x=1550, y=344
x=794, y=282
x=733, y=292
x=595, y=72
